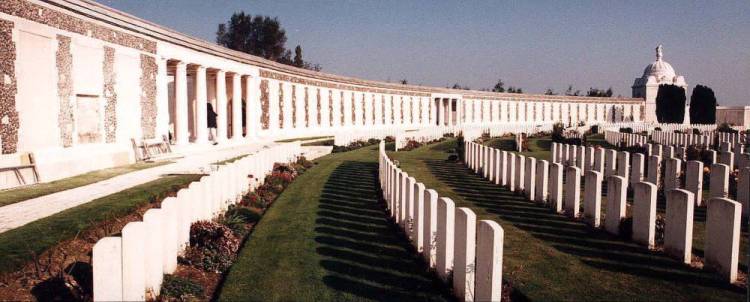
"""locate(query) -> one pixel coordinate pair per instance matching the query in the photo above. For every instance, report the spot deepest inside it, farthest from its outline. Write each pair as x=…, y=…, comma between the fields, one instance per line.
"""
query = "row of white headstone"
x=450, y=239
x=130, y=267
x=617, y=138
x=543, y=182
x=705, y=139
x=637, y=167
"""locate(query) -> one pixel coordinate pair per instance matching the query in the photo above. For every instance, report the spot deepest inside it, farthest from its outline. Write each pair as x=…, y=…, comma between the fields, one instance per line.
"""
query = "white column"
x=252, y=107
x=236, y=106
x=181, y=104
x=221, y=106
x=201, y=105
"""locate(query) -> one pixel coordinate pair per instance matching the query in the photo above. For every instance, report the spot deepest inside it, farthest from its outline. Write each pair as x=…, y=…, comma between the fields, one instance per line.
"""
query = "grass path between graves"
x=327, y=238
x=17, y=246
x=12, y=196
x=549, y=257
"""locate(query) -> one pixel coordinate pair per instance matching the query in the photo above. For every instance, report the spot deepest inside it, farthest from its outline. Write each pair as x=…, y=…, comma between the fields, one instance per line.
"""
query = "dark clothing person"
x=211, y=116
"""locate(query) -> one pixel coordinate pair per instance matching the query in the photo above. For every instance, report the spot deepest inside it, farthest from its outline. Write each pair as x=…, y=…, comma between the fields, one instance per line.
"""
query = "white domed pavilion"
x=657, y=73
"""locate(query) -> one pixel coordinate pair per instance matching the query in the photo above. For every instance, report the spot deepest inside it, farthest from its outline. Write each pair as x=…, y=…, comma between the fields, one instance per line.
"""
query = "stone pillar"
x=181, y=104
x=672, y=174
x=556, y=186
x=617, y=193
x=719, y=187
x=221, y=106
x=723, y=236
x=572, y=190
x=542, y=177
x=644, y=213
x=445, y=230
x=489, y=267
x=464, y=266
x=201, y=104
x=654, y=169
x=430, y=227
x=678, y=229
x=236, y=107
x=530, y=178
x=592, y=201
x=694, y=180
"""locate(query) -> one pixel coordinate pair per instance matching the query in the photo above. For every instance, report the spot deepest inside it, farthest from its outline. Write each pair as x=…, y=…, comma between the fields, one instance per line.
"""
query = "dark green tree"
x=570, y=91
x=261, y=36
x=702, y=105
x=670, y=104
x=298, y=62
x=596, y=92
x=549, y=91
x=499, y=86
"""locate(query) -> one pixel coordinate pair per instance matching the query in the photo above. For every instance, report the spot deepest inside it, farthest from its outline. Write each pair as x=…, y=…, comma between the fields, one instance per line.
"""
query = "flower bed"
x=214, y=244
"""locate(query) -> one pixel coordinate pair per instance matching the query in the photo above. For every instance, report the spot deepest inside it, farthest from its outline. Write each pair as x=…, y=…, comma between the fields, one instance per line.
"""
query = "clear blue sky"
x=530, y=44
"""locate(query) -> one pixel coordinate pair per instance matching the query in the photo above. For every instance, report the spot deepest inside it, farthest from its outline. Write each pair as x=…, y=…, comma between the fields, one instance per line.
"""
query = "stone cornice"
x=141, y=27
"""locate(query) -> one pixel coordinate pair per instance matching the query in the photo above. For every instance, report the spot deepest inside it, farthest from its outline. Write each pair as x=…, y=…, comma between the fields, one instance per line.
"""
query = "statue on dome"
x=659, y=53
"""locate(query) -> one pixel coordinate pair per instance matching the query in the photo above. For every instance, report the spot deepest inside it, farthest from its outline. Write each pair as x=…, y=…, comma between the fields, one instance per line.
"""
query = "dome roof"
x=660, y=69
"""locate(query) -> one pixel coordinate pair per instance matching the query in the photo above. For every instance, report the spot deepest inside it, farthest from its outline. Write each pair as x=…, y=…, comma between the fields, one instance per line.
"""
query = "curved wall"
x=78, y=74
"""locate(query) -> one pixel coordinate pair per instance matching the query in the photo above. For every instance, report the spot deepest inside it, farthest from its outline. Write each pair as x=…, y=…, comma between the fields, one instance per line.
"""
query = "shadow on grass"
x=594, y=247
x=363, y=253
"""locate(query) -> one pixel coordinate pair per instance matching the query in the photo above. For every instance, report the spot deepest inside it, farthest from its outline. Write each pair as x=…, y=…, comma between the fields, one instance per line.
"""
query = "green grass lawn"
x=18, y=245
x=538, y=146
x=27, y=192
x=550, y=257
x=327, y=238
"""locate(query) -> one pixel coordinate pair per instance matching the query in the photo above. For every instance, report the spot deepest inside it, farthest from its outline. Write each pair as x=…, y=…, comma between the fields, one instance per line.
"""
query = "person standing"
x=211, y=123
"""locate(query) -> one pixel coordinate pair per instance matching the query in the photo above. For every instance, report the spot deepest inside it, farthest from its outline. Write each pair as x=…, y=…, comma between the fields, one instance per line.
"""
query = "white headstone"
x=489, y=267
x=723, y=236
x=678, y=229
x=644, y=213
x=464, y=261
x=446, y=212
x=592, y=201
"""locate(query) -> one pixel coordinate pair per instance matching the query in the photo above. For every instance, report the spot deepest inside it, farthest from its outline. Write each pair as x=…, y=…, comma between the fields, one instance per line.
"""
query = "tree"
x=298, y=62
x=549, y=91
x=404, y=82
x=596, y=92
x=702, y=105
x=458, y=86
x=570, y=91
x=499, y=86
x=670, y=104
x=260, y=36
x=512, y=89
